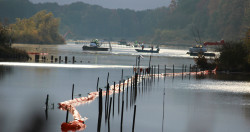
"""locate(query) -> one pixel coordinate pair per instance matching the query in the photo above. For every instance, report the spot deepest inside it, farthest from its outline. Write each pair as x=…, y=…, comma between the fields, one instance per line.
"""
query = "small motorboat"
x=94, y=46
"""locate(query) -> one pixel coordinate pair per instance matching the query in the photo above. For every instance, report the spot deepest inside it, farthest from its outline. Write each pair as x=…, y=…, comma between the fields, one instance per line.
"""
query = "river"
x=212, y=103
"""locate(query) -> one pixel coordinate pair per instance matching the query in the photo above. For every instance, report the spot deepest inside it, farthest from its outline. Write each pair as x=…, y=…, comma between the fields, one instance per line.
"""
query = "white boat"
x=197, y=49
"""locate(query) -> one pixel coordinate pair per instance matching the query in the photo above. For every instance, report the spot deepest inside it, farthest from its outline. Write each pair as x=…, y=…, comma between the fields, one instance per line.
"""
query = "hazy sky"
x=131, y=4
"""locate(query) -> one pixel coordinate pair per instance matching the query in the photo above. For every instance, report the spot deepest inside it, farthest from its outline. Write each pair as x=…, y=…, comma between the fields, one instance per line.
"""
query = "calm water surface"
x=214, y=103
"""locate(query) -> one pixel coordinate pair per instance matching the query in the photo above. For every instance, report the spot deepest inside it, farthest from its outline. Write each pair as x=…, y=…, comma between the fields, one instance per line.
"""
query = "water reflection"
x=232, y=77
x=5, y=70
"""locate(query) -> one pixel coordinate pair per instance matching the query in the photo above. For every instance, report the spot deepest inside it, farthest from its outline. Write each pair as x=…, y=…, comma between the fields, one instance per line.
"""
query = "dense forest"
x=183, y=21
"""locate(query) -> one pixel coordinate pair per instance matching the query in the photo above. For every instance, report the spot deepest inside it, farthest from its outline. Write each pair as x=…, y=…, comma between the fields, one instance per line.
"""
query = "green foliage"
x=247, y=45
x=6, y=52
x=4, y=34
x=42, y=28
x=233, y=57
x=204, y=63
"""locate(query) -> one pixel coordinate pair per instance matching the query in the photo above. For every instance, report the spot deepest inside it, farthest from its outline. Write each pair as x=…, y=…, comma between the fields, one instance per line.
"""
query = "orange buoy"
x=75, y=125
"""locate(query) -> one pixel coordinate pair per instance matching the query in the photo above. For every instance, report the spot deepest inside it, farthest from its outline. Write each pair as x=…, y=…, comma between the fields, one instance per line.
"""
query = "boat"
x=202, y=50
x=123, y=42
x=148, y=51
x=198, y=49
x=94, y=46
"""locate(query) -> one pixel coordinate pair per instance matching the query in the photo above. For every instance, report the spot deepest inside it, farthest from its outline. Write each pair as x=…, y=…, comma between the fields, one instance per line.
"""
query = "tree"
x=247, y=44
x=6, y=51
x=42, y=28
x=233, y=57
x=172, y=6
x=3, y=34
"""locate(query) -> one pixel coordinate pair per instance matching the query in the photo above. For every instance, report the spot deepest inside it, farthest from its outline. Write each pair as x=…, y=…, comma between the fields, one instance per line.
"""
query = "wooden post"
x=47, y=107
x=123, y=86
x=51, y=58
x=122, y=116
x=60, y=59
x=149, y=63
x=165, y=70
x=122, y=76
x=73, y=91
x=107, y=101
x=100, y=111
x=106, y=98
x=66, y=59
x=127, y=94
x=131, y=91
x=36, y=58
x=189, y=71
x=47, y=102
x=114, y=100
x=182, y=71
x=108, y=78
x=97, y=84
x=158, y=70
x=100, y=100
x=136, y=79
x=123, y=91
x=196, y=70
x=67, y=116
x=173, y=71
x=154, y=71
x=133, y=127
x=73, y=60
x=119, y=97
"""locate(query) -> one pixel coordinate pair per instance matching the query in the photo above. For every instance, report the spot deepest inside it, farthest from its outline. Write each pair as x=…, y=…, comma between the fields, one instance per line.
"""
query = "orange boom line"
x=78, y=123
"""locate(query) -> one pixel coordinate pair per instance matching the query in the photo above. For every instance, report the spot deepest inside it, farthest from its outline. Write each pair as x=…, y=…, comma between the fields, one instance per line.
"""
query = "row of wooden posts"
x=153, y=67
x=153, y=70
x=138, y=82
x=54, y=59
x=110, y=101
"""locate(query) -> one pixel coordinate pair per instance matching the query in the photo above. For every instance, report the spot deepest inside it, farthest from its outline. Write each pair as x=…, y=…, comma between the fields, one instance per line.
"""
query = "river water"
x=212, y=103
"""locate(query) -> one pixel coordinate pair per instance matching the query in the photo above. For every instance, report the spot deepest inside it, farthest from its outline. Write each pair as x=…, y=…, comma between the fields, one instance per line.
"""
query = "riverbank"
x=12, y=54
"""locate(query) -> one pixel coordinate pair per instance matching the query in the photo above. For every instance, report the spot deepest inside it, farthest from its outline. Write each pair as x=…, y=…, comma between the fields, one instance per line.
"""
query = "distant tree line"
x=215, y=19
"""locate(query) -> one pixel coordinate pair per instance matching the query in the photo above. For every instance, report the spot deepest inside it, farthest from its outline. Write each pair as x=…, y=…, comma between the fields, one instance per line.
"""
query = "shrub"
x=233, y=57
